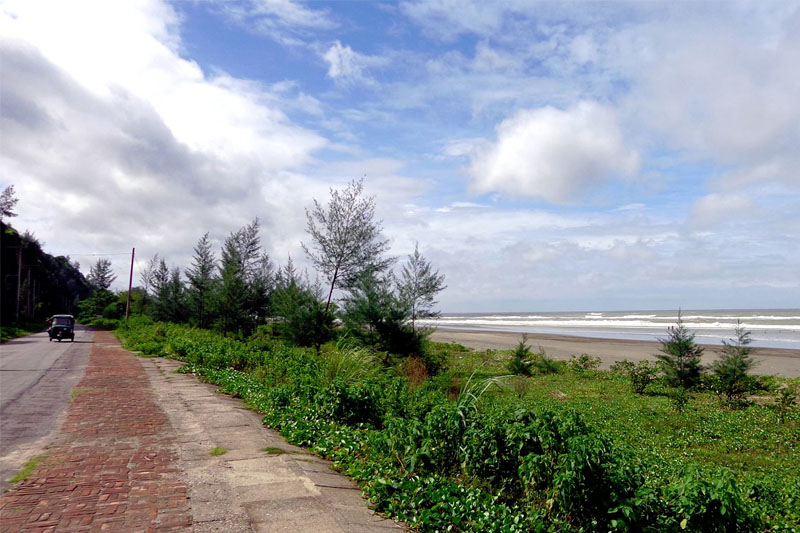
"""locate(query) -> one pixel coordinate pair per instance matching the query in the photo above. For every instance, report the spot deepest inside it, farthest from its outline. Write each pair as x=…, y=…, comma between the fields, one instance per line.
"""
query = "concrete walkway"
x=134, y=454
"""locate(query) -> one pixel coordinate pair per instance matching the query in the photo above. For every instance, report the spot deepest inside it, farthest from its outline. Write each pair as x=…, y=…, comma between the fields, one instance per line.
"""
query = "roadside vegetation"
x=557, y=447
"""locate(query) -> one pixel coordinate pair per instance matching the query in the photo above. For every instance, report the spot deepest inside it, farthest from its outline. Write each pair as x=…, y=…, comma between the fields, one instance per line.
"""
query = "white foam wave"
x=605, y=323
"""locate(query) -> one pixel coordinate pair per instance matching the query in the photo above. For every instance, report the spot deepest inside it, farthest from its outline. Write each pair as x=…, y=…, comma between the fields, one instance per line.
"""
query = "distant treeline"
x=33, y=283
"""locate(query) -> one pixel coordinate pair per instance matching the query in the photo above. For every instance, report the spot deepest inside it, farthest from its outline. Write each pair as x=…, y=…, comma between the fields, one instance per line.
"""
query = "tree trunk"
x=330, y=293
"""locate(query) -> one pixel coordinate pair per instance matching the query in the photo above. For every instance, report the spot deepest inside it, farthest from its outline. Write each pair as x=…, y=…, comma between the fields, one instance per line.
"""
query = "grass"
x=27, y=469
x=76, y=391
x=218, y=451
x=749, y=441
x=274, y=450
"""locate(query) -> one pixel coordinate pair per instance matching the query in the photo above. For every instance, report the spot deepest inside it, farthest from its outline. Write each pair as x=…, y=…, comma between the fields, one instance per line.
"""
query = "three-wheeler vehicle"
x=61, y=327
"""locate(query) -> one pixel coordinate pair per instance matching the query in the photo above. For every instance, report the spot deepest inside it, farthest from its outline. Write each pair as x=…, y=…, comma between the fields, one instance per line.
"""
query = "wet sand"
x=774, y=361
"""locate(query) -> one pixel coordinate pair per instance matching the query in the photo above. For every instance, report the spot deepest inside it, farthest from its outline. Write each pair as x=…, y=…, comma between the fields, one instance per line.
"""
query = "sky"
x=545, y=156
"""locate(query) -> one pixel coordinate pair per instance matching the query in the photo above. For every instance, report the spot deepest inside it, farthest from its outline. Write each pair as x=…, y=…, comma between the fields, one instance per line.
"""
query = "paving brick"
x=112, y=466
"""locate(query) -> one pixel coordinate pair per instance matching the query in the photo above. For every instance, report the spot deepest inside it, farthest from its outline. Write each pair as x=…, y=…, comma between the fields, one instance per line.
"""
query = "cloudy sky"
x=545, y=155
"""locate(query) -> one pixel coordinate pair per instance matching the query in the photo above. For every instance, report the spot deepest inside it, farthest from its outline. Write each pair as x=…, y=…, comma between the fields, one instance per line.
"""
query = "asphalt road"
x=36, y=381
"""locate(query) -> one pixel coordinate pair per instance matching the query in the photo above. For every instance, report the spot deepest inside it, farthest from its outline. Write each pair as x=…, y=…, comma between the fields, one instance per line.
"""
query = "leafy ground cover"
x=473, y=449
x=20, y=329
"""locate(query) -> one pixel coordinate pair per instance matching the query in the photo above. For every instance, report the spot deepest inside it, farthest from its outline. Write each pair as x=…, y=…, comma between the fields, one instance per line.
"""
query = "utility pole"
x=19, y=278
x=130, y=286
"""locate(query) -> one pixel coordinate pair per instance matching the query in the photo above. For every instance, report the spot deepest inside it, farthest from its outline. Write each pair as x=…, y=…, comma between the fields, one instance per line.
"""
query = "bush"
x=544, y=364
x=103, y=323
x=114, y=310
x=581, y=363
x=642, y=374
x=700, y=503
x=785, y=401
x=583, y=477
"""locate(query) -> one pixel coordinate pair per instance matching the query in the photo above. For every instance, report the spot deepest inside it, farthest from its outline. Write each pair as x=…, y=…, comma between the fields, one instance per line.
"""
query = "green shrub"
x=700, y=503
x=581, y=363
x=622, y=367
x=785, y=401
x=103, y=323
x=680, y=399
x=642, y=374
x=544, y=364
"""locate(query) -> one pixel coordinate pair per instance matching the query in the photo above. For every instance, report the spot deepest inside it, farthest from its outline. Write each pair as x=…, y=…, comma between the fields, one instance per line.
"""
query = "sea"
x=769, y=328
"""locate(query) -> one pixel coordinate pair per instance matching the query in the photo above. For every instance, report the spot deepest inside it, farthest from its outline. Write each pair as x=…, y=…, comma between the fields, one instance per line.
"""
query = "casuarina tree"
x=681, y=356
x=202, y=279
x=418, y=286
x=731, y=370
x=100, y=275
x=7, y=202
x=345, y=240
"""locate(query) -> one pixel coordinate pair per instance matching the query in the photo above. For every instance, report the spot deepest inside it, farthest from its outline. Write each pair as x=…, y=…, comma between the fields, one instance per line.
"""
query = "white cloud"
x=115, y=140
x=557, y=155
x=284, y=21
x=447, y=19
x=715, y=208
x=348, y=66
x=291, y=13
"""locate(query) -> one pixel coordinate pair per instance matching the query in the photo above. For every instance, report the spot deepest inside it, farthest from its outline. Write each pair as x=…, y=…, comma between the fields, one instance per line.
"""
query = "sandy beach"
x=774, y=361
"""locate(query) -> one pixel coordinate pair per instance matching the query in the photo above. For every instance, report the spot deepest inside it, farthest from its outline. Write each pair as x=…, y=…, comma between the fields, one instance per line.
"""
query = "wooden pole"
x=19, y=279
x=130, y=286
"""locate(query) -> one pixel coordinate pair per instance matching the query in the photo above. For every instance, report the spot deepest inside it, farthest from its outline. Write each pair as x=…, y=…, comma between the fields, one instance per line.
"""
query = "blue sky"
x=545, y=155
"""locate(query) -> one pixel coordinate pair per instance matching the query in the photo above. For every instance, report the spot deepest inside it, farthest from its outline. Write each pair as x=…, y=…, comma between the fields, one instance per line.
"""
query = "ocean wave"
x=605, y=323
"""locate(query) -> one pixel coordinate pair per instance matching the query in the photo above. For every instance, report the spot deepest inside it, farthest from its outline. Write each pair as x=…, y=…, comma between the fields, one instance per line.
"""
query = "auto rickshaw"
x=61, y=327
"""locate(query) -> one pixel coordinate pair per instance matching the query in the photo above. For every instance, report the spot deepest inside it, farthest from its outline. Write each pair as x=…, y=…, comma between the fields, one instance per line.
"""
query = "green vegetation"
x=75, y=392
x=680, y=357
x=218, y=451
x=20, y=329
x=27, y=470
x=274, y=450
x=731, y=376
x=471, y=448
x=520, y=363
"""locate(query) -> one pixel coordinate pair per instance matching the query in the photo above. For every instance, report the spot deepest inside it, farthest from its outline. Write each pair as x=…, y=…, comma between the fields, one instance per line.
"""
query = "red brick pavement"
x=111, y=468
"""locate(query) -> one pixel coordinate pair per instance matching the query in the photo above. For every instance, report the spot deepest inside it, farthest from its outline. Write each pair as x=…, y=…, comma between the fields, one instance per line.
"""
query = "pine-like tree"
x=680, y=356
x=202, y=281
x=731, y=369
x=8, y=200
x=418, y=286
x=231, y=295
x=100, y=275
x=304, y=320
x=375, y=313
x=170, y=304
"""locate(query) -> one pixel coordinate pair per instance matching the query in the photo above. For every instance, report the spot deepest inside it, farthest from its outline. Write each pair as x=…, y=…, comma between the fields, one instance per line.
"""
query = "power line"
x=95, y=255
